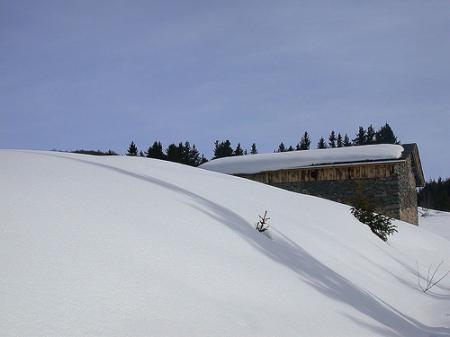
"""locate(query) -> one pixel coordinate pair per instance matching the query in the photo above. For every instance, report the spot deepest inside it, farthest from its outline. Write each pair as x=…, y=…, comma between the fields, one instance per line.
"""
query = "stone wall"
x=382, y=192
x=390, y=186
x=407, y=191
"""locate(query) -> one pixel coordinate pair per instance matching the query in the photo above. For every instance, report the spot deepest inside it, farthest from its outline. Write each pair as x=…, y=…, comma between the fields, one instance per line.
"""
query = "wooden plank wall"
x=342, y=172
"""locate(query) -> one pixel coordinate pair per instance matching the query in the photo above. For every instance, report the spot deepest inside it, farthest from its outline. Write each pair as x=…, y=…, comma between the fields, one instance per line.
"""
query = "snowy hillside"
x=293, y=159
x=119, y=246
x=435, y=221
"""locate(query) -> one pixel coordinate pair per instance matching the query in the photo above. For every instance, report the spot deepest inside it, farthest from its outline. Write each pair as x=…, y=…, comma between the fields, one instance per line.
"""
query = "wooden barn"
x=387, y=174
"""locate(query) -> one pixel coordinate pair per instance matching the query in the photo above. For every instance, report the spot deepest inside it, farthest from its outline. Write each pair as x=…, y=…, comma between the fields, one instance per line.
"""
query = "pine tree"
x=281, y=148
x=155, y=151
x=238, y=151
x=186, y=152
x=386, y=136
x=305, y=142
x=361, y=137
x=193, y=155
x=222, y=149
x=321, y=144
x=370, y=137
x=253, y=150
x=339, y=142
x=290, y=148
x=346, y=141
x=132, y=150
x=332, y=139
x=173, y=153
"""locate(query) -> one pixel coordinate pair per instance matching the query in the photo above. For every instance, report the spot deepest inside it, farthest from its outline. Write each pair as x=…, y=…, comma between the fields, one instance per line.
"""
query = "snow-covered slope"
x=435, y=221
x=119, y=246
x=288, y=160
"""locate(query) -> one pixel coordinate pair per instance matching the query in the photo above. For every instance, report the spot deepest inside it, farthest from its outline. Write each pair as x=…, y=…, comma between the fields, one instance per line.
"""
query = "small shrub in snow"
x=262, y=224
x=379, y=224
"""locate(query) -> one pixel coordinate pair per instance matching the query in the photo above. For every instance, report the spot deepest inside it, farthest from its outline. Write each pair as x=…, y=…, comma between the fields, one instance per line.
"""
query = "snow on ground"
x=120, y=246
x=293, y=159
x=435, y=221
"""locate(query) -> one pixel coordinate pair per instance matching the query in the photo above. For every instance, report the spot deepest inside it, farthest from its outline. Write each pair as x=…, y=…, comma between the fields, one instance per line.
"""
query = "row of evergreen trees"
x=96, y=152
x=181, y=153
x=224, y=149
x=186, y=154
x=435, y=195
x=384, y=135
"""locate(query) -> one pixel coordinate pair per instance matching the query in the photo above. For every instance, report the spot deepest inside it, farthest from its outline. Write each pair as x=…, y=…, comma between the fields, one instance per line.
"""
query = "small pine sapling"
x=262, y=224
x=379, y=224
x=365, y=212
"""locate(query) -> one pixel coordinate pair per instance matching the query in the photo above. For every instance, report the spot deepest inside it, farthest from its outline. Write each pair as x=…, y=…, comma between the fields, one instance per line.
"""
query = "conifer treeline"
x=181, y=153
x=96, y=152
x=186, y=154
x=435, y=195
x=384, y=135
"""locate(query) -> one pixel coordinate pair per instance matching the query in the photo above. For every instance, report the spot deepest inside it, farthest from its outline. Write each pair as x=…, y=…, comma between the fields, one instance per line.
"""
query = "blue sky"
x=98, y=74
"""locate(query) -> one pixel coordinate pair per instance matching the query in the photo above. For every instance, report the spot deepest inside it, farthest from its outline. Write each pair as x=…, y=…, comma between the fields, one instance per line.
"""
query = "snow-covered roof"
x=295, y=159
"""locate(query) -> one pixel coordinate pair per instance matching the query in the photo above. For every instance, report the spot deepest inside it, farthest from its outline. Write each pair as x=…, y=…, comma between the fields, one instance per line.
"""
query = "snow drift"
x=119, y=246
x=294, y=159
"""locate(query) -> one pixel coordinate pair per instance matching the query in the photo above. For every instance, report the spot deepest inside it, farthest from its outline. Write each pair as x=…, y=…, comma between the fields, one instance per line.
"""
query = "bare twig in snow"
x=429, y=281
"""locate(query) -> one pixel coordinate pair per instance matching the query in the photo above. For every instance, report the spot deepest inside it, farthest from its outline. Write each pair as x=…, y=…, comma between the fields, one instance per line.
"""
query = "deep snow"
x=119, y=246
x=435, y=221
x=293, y=159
